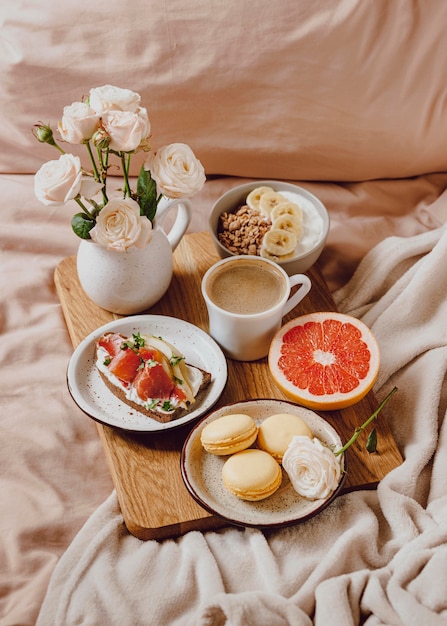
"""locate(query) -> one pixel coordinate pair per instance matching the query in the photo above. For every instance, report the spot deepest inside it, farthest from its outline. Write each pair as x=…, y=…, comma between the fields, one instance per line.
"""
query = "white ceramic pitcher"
x=133, y=281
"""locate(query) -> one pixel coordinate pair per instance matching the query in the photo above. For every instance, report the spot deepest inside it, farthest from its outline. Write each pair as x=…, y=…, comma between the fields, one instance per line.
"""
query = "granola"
x=241, y=231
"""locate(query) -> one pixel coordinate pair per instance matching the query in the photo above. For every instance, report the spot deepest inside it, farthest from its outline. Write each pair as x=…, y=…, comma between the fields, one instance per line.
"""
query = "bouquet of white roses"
x=112, y=124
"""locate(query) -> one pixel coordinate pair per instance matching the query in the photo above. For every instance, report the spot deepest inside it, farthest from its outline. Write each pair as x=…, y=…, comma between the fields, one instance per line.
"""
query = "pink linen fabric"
x=53, y=472
x=347, y=99
x=312, y=90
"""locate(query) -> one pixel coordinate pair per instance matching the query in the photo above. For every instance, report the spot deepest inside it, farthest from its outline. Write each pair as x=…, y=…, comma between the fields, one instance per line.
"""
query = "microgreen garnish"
x=372, y=439
x=127, y=344
x=151, y=363
x=135, y=345
x=107, y=360
x=138, y=340
x=167, y=406
x=148, y=362
x=175, y=360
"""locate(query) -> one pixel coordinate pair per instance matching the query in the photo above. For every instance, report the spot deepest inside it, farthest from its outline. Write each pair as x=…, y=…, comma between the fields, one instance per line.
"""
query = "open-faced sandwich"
x=149, y=374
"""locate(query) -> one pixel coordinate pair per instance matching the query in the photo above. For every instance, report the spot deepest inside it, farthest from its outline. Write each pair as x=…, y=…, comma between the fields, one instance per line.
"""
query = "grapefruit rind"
x=330, y=401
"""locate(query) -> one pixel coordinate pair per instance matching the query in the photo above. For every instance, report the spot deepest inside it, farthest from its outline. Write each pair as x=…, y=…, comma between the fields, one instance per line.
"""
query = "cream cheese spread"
x=195, y=378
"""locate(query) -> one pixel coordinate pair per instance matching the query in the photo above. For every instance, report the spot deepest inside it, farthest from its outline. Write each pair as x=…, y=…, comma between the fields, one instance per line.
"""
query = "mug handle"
x=181, y=223
x=297, y=279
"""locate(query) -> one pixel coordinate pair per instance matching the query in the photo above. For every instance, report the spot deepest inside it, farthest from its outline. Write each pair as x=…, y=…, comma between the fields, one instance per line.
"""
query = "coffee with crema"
x=245, y=287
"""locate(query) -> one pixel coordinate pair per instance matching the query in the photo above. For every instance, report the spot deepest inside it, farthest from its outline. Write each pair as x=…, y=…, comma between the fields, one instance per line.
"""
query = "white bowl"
x=303, y=259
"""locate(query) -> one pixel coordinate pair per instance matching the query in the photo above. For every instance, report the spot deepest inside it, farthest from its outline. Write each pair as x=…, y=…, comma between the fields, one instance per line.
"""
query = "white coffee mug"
x=247, y=297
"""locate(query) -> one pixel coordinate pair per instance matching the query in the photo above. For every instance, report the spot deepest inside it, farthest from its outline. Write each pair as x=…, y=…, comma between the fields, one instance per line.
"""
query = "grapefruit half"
x=325, y=360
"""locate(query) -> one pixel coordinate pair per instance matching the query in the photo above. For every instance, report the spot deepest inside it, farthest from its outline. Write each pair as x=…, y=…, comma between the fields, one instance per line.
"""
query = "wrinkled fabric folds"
x=376, y=557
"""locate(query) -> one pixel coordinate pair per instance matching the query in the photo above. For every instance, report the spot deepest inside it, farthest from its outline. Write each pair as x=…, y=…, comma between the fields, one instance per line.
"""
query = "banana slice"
x=276, y=258
x=289, y=223
x=278, y=242
x=269, y=200
x=286, y=208
x=254, y=197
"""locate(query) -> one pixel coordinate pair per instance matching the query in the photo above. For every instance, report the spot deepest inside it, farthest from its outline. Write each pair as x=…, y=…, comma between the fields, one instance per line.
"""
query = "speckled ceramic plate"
x=202, y=472
x=98, y=402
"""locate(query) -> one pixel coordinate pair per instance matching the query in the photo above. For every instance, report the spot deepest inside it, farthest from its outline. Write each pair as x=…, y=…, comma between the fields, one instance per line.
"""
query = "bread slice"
x=159, y=415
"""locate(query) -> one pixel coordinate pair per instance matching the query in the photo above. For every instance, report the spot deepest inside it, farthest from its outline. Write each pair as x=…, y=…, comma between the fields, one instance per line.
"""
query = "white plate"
x=202, y=471
x=98, y=402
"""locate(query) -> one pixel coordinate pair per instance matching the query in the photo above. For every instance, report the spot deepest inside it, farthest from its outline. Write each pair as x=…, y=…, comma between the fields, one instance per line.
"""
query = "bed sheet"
x=53, y=472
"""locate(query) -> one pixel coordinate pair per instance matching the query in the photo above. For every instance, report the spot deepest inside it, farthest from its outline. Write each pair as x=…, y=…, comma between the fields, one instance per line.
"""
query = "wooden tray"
x=145, y=468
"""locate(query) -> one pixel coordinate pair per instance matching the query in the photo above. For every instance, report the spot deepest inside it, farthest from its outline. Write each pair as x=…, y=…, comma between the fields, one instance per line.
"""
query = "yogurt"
x=312, y=222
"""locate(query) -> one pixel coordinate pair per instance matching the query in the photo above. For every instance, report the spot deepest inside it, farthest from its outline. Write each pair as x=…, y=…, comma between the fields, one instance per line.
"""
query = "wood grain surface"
x=145, y=468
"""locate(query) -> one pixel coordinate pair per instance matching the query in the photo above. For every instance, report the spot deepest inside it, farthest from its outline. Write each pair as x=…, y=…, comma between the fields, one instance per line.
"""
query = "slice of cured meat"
x=149, y=374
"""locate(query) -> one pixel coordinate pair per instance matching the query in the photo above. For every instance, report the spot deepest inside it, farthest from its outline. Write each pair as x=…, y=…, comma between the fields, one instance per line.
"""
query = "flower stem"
x=104, y=167
x=103, y=163
x=99, y=175
x=96, y=207
x=84, y=208
x=366, y=424
x=125, y=166
x=92, y=159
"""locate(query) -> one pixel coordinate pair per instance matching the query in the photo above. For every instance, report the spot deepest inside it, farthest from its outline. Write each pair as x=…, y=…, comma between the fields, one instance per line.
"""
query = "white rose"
x=110, y=98
x=119, y=226
x=78, y=123
x=57, y=182
x=176, y=170
x=89, y=187
x=313, y=469
x=126, y=130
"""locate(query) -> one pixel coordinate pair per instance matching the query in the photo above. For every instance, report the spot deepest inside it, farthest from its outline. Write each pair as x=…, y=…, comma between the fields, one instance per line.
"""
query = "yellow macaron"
x=252, y=474
x=276, y=432
x=229, y=434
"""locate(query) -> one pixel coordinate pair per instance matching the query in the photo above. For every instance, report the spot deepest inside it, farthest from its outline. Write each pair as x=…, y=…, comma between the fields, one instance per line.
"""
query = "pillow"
x=310, y=90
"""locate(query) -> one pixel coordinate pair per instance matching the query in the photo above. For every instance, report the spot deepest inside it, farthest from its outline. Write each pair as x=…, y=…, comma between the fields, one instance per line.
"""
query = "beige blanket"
x=349, y=92
x=372, y=557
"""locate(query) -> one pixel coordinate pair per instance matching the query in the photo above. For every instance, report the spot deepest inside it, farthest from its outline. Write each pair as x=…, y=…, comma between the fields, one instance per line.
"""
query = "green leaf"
x=147, y=194
x=371, y=443
x=82, y=225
